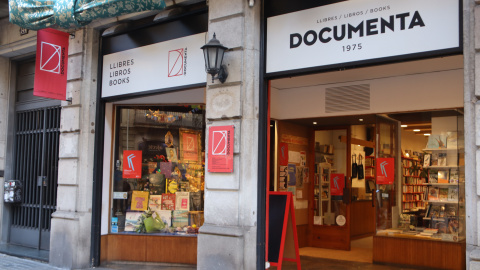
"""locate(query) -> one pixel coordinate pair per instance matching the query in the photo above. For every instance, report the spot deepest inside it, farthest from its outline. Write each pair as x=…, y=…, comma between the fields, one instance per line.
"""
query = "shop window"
x=158, y=170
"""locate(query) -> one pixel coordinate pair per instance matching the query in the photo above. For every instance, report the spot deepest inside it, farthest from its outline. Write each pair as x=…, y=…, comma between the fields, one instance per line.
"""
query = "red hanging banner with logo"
x=337, y=184
x=220, y=146
x=385, y=171
x=51, y=64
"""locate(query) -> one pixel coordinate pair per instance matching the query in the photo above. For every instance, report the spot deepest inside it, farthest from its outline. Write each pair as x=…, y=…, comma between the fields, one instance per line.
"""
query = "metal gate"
x=35, y=165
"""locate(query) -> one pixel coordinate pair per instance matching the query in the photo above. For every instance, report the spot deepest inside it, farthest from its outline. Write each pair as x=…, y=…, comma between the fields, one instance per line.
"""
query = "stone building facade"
x=230, y=238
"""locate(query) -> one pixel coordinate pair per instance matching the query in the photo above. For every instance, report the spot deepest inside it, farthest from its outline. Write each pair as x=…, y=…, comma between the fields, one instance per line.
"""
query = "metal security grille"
x=36, y=162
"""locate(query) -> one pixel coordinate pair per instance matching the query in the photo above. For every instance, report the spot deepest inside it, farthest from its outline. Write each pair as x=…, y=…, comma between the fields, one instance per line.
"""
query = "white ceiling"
x=369, y=73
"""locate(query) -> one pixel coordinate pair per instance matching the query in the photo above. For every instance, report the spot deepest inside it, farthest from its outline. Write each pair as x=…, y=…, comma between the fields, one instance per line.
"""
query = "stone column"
x=227, y=240
x=471, y=34
x=71, y=223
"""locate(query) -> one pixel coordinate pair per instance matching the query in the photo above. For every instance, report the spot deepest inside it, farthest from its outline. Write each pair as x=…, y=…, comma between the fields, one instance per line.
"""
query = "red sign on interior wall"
x=385, y=171
x=337, y=183
x=132, y=164
x=51, y=64
x=220, y=149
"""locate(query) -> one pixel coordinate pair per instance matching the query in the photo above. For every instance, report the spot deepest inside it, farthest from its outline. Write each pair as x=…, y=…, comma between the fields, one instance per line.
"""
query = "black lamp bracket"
x=222, y=74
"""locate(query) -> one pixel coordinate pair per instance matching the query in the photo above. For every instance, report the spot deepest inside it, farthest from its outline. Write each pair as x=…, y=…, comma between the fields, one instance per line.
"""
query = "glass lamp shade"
x=213, y=52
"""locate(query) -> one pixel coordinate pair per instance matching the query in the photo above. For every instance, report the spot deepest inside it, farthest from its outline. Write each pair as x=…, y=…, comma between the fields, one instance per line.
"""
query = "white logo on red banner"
x=220, y=138
x=220, y=154
x=50, y=57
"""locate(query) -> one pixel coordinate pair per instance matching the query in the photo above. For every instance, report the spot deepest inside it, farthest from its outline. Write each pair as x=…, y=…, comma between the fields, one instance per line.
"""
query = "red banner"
x=385, y=171
x=283, y=154
x=51, y=64
x=337, y=183
x=220, y=145
x=132, y=164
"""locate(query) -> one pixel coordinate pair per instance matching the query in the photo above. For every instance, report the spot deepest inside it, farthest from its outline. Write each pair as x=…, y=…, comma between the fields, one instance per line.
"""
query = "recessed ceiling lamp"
x=404, y=125
x=416, y=130
x=361, y=120
x=426, y=134
x=314, y=123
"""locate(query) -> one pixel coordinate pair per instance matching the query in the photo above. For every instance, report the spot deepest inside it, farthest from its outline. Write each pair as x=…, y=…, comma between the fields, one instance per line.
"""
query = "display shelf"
x=441, y=202
x=441, y=167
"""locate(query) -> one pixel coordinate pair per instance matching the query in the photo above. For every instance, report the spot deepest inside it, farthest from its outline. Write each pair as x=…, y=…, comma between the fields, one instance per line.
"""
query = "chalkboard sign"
x=276, y=215
x=282, y=230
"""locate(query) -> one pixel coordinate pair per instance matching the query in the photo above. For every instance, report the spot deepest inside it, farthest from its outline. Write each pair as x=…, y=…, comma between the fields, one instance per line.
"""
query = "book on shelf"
x=451, y=210
x=426, y=160
x=434, y=159
x=452, y=140
x=453, y=176
x=442, y=159
x=443, y=194
x=433, y=194
x=436, y=141
x=433, y=176
x=434, y=211
x=452, y=193
x=442, y=176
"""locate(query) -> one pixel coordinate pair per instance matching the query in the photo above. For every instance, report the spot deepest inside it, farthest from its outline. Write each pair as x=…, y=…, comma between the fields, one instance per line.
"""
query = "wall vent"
x=347, y=98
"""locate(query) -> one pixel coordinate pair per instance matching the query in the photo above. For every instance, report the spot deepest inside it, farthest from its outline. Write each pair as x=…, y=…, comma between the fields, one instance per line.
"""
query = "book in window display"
x=182, y=201
x=168, y=201
x=139, y=200
x=180, y=218
x=426, y=160
x=131, y=220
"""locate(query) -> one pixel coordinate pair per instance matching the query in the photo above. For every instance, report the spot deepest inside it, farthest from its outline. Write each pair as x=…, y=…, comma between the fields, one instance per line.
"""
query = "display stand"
x=282, y=230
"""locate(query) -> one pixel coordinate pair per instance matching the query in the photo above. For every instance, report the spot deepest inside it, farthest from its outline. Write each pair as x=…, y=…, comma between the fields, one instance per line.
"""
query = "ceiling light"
x=314, y=123
x=416, y=130
x=426, y=134
x=404, y=125
x=361, y=120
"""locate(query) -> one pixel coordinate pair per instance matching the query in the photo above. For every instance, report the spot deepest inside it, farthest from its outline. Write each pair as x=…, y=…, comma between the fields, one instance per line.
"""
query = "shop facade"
x=95, y=124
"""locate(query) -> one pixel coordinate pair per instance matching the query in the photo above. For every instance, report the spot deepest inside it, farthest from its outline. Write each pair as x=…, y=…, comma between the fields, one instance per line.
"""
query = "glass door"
x=386, y=154
x=331, y=209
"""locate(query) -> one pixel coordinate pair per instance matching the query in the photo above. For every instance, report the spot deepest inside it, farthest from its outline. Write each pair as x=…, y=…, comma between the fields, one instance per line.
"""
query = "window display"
x=159, y=162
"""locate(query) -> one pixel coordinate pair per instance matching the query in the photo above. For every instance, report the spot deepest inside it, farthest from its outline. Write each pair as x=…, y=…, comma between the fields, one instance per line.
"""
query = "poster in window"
x=132, y=164
x=283, y=154
x=190, y=147
x=385, y=171
x=337, y=183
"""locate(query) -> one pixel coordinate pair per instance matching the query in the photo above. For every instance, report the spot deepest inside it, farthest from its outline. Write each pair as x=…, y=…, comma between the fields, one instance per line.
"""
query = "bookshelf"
x=413, y=185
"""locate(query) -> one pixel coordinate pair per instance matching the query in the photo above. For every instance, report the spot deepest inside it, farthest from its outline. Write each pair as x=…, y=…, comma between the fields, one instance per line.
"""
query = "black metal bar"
x=263, y=126
x=42, y=173
x=97, y=170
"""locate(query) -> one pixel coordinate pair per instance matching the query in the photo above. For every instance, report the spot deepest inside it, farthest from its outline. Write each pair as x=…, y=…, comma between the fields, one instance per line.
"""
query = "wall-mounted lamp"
x=213, y=52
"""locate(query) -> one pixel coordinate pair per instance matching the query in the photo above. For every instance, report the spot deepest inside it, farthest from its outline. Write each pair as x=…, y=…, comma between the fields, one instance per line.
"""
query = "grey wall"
x=227, y=240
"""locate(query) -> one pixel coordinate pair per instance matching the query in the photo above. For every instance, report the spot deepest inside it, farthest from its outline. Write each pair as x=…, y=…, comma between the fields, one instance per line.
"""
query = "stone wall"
x=71, y=223
x=227, y=240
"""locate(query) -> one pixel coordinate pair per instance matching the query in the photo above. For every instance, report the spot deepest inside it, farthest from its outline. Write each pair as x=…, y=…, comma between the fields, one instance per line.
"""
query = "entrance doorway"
x=34, y=162
x=340, y=125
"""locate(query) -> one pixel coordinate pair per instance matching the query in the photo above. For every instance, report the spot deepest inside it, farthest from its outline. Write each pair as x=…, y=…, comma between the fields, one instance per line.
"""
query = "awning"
x=39, y=14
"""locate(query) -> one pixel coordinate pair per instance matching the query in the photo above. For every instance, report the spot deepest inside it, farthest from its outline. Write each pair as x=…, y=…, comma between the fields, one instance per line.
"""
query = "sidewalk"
x=15, y=263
